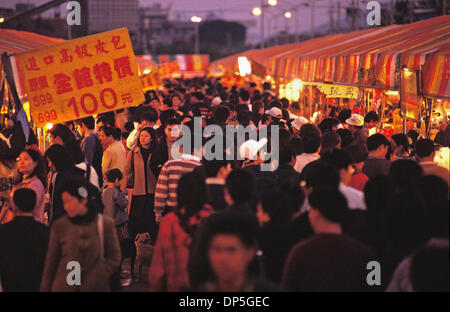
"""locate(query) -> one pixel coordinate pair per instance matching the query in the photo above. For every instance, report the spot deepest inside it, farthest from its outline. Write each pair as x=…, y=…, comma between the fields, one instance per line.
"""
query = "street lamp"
x=2, y=19
x=260, y=12
x=287, y=14
x=256, y=11
x=196, y=20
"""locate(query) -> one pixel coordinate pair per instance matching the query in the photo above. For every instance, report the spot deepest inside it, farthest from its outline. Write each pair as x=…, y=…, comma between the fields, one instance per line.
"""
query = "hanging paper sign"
x=81, y=77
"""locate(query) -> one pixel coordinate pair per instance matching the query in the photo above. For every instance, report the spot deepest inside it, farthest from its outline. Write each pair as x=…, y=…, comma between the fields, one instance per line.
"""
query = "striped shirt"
x=171, y=172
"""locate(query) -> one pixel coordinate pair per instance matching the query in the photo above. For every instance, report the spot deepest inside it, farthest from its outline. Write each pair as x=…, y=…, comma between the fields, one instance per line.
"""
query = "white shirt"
x=355, y=198
x=133, y=137
x=303, y=159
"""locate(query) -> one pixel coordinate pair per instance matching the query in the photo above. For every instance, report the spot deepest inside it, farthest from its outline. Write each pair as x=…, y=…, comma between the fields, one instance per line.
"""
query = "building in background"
x=157, y=29
x=104, y=15
x=6, y=12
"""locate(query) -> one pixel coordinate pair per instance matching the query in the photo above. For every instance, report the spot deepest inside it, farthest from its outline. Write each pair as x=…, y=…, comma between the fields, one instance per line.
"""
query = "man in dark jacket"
x=286, y=169
x=23, y=246
x=377, y=164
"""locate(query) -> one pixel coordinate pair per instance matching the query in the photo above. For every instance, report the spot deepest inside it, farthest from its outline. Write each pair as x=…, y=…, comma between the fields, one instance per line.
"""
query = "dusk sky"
x=241, y=10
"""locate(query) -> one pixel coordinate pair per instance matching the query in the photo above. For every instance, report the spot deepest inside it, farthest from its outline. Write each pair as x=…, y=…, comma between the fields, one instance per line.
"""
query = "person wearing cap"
x=425, y=154
x=216, y=101
x=274, y=114
x=297, y=123
x=355, y=125
x=251, y=152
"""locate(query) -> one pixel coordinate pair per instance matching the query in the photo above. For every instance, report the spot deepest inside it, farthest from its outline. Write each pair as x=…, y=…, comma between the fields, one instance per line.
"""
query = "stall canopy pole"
x=20, y=113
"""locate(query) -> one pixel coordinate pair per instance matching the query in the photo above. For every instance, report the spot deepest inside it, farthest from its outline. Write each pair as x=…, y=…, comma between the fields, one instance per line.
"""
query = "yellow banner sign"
x=81, y=77
x=152, y=80
x=167, y=69
x=336, y=91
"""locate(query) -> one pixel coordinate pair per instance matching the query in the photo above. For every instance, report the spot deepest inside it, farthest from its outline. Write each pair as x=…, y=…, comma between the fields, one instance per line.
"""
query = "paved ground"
x=133, y=286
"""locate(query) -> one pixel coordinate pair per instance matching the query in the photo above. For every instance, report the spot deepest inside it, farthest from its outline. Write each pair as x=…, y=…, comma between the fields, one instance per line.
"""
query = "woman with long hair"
x=63, y=169
x=142, y=182
x=34, y=176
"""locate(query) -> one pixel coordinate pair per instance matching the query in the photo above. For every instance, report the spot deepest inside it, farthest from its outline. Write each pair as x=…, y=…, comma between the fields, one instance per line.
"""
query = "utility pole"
x=444, y=7
x=338, y=26
x=353, y=14
x=262, y=24
x=197, y=39
x=297, y=25
x=331, y=18
x=358, y=16
x=392, y=12
x=312, y=17
x=410, y=11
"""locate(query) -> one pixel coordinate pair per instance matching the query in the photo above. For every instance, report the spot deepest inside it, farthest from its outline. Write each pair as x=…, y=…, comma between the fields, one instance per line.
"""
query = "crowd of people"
x=336, y=200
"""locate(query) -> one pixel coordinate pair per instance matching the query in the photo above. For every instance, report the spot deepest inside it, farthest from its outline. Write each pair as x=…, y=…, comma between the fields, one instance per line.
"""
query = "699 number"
x=47, y=116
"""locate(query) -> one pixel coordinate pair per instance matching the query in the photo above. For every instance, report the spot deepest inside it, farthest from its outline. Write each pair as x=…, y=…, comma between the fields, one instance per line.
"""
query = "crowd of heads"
x=404, y=206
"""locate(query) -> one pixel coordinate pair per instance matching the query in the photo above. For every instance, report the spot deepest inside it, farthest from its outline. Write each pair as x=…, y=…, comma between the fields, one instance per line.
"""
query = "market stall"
x=373, y=60
x=177, y=65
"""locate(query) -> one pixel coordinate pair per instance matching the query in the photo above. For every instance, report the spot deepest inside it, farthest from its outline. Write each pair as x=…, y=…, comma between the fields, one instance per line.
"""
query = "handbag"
x=130, y=178
x=122, y=231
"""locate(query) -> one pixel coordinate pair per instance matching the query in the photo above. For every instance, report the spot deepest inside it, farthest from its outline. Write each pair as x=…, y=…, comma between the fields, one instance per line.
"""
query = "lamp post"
x=260, y=12
x=196, y=20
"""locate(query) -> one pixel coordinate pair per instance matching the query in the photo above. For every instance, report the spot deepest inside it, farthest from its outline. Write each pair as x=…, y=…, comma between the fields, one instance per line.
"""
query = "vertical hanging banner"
x=81, y=77
x=152, y=80
x=409, y=94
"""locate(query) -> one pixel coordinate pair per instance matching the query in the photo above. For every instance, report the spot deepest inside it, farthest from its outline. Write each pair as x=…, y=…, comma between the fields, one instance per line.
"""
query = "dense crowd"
x=335, y=200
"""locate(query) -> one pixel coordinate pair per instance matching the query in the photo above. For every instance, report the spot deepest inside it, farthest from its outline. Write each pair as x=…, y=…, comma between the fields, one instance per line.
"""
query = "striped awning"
x=15, y=41
x=186, y=62
x=371, y=57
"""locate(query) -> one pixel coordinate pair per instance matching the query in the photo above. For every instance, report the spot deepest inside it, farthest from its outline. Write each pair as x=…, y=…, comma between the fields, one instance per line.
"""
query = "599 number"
x=89, y=103
x=42, y=99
